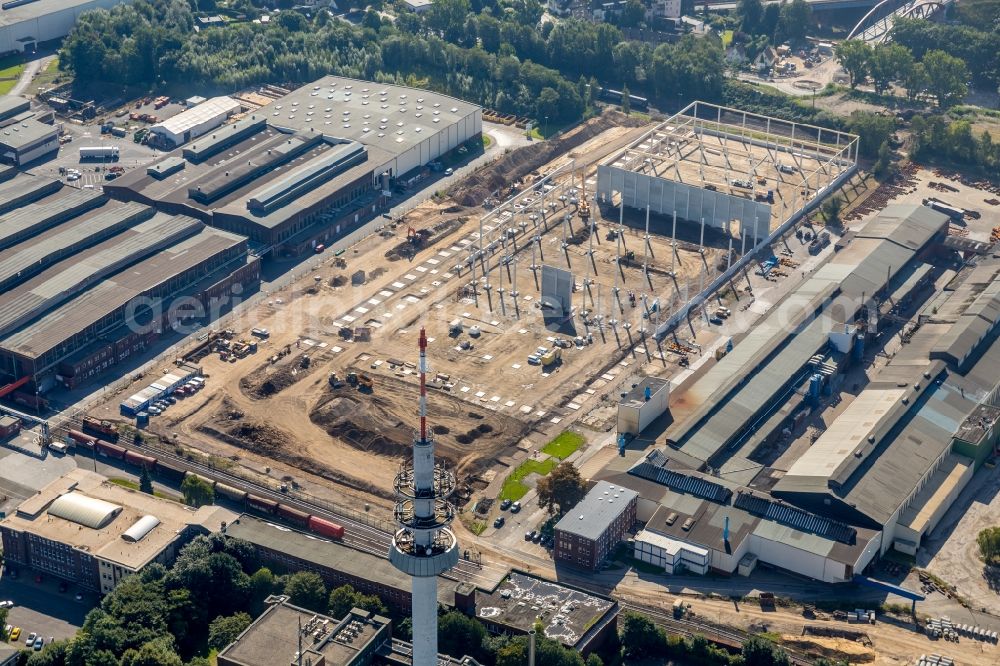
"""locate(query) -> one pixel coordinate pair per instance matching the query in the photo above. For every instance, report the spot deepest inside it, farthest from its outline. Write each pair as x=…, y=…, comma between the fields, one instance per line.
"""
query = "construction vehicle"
x=551, y=357
x=304, y=361
x=352, y=378
x=365, y=383
x=761, y=195
x=334, y=381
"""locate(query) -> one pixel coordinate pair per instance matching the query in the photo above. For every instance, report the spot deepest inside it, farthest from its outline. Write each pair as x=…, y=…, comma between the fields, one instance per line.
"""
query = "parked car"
x=39, y=643
x=536, y=537
x=449, y=171
x=6, y=604
x=31, y=639
x=529, y=536
x=499, y=522
x=154, y=411
x=715, y=320
x=504, y=505
x=15, y=634
x=515, y=507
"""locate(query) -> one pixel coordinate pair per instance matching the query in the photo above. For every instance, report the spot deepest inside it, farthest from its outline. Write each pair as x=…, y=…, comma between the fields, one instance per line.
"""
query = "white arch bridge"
x=876, y=26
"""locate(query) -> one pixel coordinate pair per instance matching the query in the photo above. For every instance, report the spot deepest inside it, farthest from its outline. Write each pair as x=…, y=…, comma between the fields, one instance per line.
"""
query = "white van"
x=59, y=447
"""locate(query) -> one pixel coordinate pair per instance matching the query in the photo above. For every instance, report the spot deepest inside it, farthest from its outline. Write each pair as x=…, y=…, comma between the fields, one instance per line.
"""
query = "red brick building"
x=589, y=532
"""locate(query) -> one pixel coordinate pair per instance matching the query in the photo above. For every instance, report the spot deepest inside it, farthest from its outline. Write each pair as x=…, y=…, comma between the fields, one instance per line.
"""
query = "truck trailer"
x=98, y=153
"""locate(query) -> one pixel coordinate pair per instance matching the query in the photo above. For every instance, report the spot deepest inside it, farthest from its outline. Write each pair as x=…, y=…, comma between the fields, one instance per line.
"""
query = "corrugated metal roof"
x=84, y=510
x=18, y=224
x=24, y=188
x=22, y=261
x=765, y=507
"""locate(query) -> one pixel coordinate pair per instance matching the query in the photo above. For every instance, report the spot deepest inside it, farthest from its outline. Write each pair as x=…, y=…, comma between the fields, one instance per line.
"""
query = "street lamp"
x=545, y=129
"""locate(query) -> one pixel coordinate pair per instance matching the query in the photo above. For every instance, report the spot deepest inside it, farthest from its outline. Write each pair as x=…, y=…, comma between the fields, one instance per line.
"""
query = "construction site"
x=535, y=301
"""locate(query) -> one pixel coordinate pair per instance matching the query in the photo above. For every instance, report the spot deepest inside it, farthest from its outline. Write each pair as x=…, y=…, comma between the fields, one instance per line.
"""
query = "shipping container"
x=293, y=515
x=326, y=528
x=140, y=460
x=261, y=504
x=110, y=450
x=229, y=492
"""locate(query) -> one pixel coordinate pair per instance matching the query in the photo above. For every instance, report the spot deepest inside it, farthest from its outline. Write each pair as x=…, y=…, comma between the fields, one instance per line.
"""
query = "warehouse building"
x=86, y=530
x=884, y=471
x=88, y=282
x=588, y=533
x=194, y=122
x=308, y=167
x=26, y=141
x=24, y=24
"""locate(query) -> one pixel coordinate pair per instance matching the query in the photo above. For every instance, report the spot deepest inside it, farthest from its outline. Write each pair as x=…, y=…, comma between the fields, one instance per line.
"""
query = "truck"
x=98, y=152
x=551, y=357
x=678, y=607
x=953, y=212
x=119, y=132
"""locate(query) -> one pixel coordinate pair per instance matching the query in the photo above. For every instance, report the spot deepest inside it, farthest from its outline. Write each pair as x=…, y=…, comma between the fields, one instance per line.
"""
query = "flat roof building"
x=588, y=532
x=306, y=167
x=642, y=405
x=360, y=638
x=87, y=530
x=27, y=141
x=195, y=121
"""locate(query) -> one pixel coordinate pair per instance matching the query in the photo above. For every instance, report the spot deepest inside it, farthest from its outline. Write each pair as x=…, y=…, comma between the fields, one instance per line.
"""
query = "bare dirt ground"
x=283, y=421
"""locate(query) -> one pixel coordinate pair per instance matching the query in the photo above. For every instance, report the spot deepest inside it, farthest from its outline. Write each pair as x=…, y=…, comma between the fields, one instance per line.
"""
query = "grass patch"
x=487, y=141
x=513, y=488
x=48, y=77
x=564, y=445
x=133, y=485
x=477, y=527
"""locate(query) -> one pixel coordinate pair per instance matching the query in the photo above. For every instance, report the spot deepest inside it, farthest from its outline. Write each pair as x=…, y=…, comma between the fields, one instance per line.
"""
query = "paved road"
x=41, y=608
x=28, y=73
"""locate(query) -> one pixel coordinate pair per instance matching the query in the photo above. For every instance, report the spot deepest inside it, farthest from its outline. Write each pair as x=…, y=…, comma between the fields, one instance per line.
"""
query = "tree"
x=158, y=652
x=262, y=585
x=758, y=651
x=224, y=630
x=873, y=130
x=640, y=637
x=795, y=19
x=830, y=211
x=883, y=167
x=750, y=12
x=3, y=622
x=547, y=653
x=946, y=77
x=345, y=597
x=989, y=543
x=448, y=17
x=915, y=80
x=306, y=589
x=633, y=14
x=562, y=489
x=197, y=491
x=53, y=654
x=145, y=481
x=626, y=102
x=461, y=634
x=854, y=56
x=888, y=63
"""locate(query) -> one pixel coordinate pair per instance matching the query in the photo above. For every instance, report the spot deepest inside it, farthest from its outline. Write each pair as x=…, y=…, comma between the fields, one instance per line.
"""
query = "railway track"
x=728, y=637
x=358, y=534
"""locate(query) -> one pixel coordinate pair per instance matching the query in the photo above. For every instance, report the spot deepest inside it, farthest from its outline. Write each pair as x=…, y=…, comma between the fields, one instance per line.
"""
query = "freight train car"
x=261, y=504
x=325, y=528
x=110, y=450
x=140, y=460
x=80, y=439
x=300, y=518
x=169, y=471
x=229, y=492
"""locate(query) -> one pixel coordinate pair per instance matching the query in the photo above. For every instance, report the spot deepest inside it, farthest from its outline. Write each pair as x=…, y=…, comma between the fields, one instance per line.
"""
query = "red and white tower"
x=424, y=547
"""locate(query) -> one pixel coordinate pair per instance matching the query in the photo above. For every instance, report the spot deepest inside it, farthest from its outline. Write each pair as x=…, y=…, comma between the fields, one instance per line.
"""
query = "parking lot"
x=41, y=608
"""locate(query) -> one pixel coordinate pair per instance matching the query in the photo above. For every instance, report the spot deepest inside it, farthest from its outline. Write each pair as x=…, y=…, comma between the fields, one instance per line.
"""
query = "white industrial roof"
x=669, y=544
x=140, y=528
x=202, y=113
x=87, y=511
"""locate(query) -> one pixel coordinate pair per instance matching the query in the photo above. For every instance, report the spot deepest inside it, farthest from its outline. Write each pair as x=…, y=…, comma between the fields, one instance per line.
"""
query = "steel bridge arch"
x=875, y=26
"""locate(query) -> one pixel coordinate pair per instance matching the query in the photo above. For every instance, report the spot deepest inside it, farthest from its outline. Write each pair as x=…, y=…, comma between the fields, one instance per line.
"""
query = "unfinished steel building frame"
x=748, y=176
